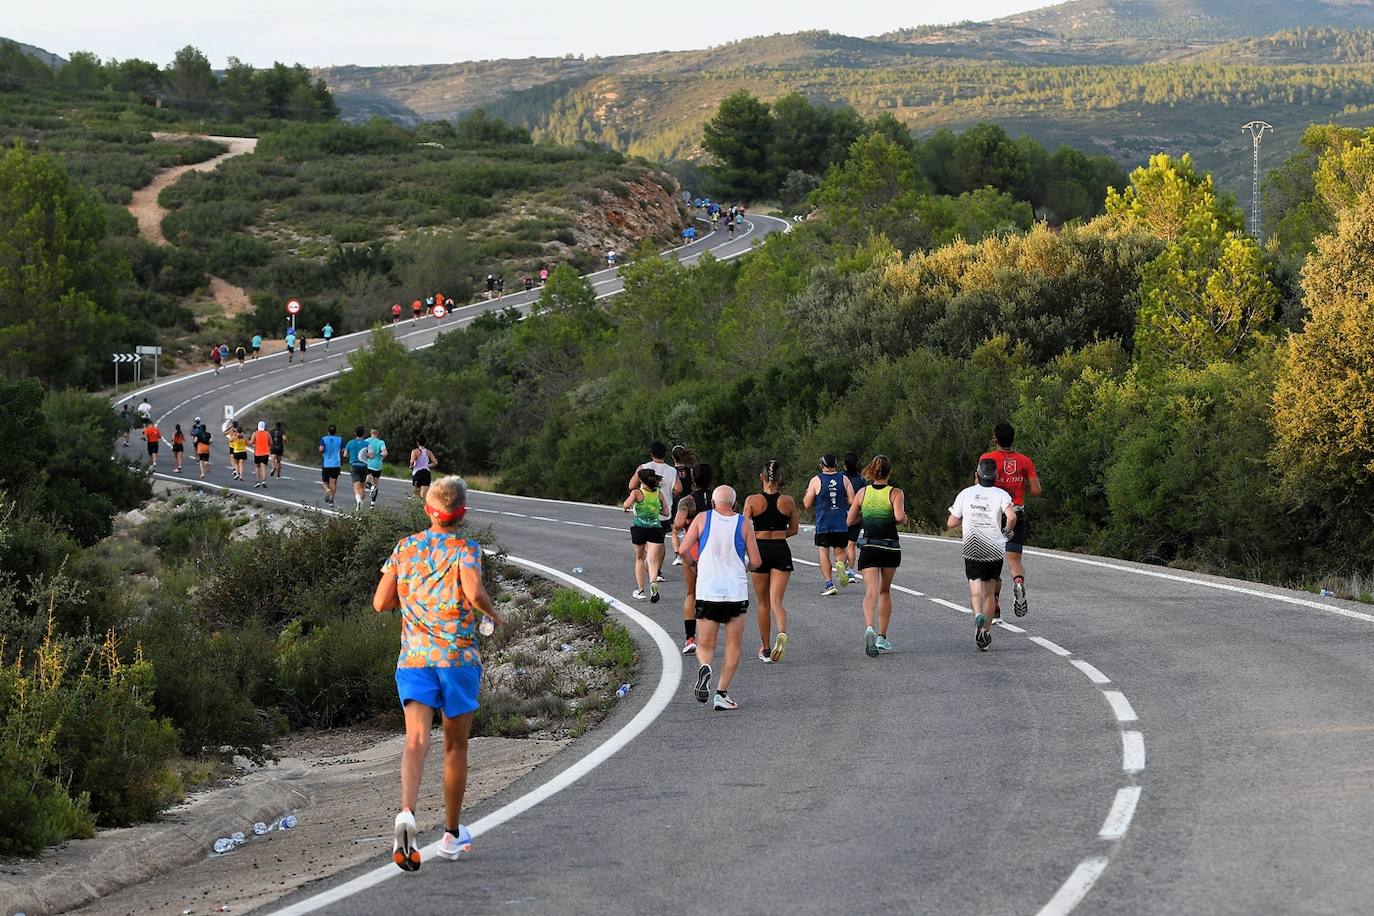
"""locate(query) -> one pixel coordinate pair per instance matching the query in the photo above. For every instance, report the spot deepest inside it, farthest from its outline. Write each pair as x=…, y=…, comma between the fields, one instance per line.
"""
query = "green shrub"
x=340, y=673
x=196, y=531
x=573, y=607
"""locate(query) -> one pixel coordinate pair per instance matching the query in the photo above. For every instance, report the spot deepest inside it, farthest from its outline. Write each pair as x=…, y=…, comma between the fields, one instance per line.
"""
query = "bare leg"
x=885, y=599
x=455, y=765
x=873, y=581
x=777, y=587
x=655, y=557
x=734, y=640
x=825, y=554
x=639, y=566
x=765, y=607
x=689, y=602
x=419, y=721
x=706, y=641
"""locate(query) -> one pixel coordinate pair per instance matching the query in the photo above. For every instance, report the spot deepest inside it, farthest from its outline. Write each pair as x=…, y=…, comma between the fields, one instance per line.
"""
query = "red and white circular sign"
x=293, y=306
x=439, y=311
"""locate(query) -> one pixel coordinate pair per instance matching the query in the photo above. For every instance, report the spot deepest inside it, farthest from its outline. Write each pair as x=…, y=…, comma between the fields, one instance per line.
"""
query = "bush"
x=574, y=607
x=340, y=673
x=197, y=531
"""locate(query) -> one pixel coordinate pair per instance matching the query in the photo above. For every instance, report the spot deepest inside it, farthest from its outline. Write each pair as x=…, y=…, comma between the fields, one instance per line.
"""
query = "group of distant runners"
x=292, y=339
x=724, y=547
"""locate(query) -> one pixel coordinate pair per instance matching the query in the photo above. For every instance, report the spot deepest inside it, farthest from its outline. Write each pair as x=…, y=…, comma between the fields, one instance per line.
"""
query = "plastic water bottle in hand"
x=486, y=627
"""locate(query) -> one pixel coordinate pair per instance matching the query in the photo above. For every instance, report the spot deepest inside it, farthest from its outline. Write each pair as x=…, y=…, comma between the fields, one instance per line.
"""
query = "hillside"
x=1196, y=20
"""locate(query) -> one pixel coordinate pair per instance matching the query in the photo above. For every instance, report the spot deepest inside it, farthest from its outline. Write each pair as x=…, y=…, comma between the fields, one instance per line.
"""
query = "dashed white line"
x=542, y=518
x=1053, y=647
x=1119, y=818
x=908, y=591
x=1121, y=707
x=1097, y=677
x=610, y=528
x=515, y=514
x=582, y=524
x=1132, y=752
x=1075, y=888
x=1010, y=627
x=951, y=605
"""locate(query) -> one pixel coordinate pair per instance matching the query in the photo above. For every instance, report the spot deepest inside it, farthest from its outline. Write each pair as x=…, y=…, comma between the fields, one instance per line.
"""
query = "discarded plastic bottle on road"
x=237, y=837
x=223, y=845
x=624, y=689
x=288, y=822
x=578, y=570
x=1328, y=593
x=260, y=828
x=565, y=648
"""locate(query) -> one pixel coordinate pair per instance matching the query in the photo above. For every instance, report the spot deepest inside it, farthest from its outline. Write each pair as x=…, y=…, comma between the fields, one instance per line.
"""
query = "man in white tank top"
x=724, y=549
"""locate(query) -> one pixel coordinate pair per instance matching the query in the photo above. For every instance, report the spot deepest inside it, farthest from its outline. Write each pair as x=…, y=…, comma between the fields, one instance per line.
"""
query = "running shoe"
x=1019, y=606
x=677, y=560
x=855, y=575
x=779, y=647
x=639, y=594
x=982, y=639
x=404, y=852
x=723, y=701
x=689, y=647
x=653, y=592
x=883, y=644
x=703, y=688
x=765, y=655
x=841, y=574
x=871, y=643
x=659, y=578
x=829, y=589
x=450, y=846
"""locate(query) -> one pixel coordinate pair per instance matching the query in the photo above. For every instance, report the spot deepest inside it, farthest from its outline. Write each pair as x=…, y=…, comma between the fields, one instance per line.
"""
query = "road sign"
x=292, y=306
x=126, y=357
x=228, y=411
x=439, y=311
x=118, y=358
x=148, y=351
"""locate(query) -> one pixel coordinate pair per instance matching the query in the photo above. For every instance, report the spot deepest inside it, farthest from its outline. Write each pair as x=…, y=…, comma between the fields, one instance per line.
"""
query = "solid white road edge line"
x=662, y=695
x=1053, y=647
x=1097, y=677
x=1119, y=818
x=951, y=605
x=1132, y=752
x=1075, y=888
x=1121, y=707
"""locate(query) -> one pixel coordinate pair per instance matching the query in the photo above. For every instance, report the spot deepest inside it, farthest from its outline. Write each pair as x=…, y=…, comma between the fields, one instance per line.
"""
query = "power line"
x=1257, y=130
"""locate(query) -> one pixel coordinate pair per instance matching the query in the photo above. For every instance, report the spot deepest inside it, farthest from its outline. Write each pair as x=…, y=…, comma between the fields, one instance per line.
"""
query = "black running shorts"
x=259, y=459
x=1017, y=541
x=774, y=555
x=359, y=473
x=329, y=473
x=420, y=478
x=879, y=558
x=721, y=611
x=982, y=570
x=836, y=539
x=640, y=535
x=152, y=448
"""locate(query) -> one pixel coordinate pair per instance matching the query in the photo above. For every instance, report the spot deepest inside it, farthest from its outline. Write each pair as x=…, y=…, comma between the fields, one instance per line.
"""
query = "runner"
x=422, y=461
x=697, y=501
x=856, y=483
x=153, y=436
x=882, y=507
x=128, y=420
x=646, y=501
x=672, y=487
x=327, y=332
x=238, y=450
x=291, y=345
x=830, y=494
x=376, y=453
x=395, y=312
x=256, y=344
x=224, y=353
x=331, y=445
x=684, y=461
x=262, y=453
x=277, y=442
x=491, y=285
x=988, y=516
x=202, y=449
x=241, y=354
x=610, y=257
x=358, y=465
x=730, y=228
x=1015, y=473
x=689, y=235
x=774, y=517
x=145, y=411
x=416, y=306
x=529, y=283
x=435, y=578
x=215, y=359
x=178, y=448
x=543, y=275
x=500, y=286
x=725, y=548
x=303, y=339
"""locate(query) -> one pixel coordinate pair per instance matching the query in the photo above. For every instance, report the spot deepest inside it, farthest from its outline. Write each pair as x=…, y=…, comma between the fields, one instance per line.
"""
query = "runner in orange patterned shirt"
x=435, y=578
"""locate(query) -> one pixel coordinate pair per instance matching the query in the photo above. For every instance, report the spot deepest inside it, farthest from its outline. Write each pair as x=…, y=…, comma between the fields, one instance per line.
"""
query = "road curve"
x=1153, y=742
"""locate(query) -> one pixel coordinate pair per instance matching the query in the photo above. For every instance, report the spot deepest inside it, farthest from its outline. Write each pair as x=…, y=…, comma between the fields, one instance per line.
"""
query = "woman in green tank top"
x=646, y=531
x=880, y=507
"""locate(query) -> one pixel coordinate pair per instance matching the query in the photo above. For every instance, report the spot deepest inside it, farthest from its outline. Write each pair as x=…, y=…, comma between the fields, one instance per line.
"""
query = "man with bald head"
x=726, y=550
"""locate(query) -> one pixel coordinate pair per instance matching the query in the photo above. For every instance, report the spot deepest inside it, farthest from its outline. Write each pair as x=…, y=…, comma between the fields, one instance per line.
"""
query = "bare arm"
x=812, y=488
x=471, y=577
x=688, y=504
x=1010, y=522
x=693, y=534
x=899, y=506
x=856, y=509
x=793, y=516
x=385, y=598
x=1034, y=483
x=751, y=545
x=634, y=480
x=953, y=521
x=634, y=497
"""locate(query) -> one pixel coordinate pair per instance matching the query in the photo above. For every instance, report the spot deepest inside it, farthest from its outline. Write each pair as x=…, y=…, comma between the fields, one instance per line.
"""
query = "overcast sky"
x=316, y=32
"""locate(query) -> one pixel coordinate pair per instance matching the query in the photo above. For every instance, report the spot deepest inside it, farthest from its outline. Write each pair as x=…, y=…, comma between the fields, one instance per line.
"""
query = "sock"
x=691, y=627
x=452, y=830
x=829, y=583
x=1021, y=579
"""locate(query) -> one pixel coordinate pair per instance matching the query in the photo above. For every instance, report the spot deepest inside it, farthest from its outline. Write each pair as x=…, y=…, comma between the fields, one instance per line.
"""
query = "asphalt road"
x=1151, y=743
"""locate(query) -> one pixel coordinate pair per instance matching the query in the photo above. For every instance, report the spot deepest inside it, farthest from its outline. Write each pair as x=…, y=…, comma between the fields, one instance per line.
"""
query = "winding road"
x=1145, y=741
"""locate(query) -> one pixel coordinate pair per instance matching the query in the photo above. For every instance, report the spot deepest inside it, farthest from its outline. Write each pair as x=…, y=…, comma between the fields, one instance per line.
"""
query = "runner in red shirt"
x=395, y=312
x=415, y=308
x=1015, y=474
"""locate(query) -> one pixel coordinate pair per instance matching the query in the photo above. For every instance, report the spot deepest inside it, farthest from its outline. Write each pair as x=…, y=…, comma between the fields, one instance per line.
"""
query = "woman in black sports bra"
x=775, y=519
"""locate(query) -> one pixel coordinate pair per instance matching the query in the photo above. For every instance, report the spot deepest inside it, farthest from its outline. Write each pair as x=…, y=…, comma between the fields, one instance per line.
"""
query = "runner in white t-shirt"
x=669, y=485
x=988, y=515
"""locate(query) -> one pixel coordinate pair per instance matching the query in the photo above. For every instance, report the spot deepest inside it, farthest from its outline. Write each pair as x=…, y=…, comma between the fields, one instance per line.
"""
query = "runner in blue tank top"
x=830, y=494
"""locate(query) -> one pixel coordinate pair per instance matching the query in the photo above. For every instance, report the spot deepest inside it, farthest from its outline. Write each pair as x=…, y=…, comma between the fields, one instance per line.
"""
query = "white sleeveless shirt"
x=721, y=571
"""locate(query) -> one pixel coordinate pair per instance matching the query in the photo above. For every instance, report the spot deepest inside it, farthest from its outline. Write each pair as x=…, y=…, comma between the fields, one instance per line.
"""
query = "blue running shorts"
x=453, y=690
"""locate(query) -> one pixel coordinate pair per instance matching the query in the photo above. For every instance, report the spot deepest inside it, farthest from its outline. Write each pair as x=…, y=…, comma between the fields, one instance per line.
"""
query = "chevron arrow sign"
x=126, y=358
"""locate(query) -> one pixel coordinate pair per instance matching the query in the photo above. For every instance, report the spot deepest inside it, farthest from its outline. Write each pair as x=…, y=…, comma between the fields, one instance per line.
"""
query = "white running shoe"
x=677, y=561
x=404, y=852
x=689, y=647
x=659, y=578
x=723, y=701
x=639, y=595
x=451, y=846
x=765, y=655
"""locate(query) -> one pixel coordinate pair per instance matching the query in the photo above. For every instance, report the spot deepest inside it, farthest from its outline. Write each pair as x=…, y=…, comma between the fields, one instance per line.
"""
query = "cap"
x=987, y=472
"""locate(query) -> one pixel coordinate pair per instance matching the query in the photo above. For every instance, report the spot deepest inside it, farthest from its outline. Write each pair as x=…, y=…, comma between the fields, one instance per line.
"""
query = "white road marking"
x=515, y=514
x=1132, y=752
x=907, y=591
x=1121, y=707
x=1119, y=818
x=1010, y=627
x=611, y=528
x=668, y=681
x=1053, y=647
x=1097, y=677
x=951, y=605
x=542, y=518
x=579, y=524
x=488, y=511
x=1073, y=890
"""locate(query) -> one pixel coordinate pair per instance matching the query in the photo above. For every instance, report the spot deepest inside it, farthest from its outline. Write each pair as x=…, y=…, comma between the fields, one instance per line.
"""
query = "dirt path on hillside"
x=149, y=213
